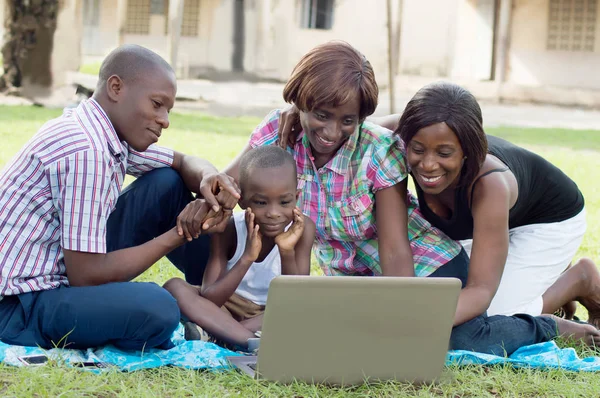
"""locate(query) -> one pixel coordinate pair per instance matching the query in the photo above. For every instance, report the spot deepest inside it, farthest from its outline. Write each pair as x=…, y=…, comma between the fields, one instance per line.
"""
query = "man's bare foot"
x=588, y=334
x=591, y=299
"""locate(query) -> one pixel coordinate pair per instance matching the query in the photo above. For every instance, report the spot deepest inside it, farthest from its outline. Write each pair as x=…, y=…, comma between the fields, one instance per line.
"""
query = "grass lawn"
x=90, y=68
x=219, y=140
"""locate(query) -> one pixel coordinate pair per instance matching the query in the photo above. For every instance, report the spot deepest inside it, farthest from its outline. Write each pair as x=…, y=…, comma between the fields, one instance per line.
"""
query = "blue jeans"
x=129, y=315
x=149, y=207
x=498, y=334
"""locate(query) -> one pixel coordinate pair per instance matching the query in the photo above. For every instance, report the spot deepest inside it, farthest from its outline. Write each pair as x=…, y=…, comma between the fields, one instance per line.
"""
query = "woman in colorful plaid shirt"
x=352, y=180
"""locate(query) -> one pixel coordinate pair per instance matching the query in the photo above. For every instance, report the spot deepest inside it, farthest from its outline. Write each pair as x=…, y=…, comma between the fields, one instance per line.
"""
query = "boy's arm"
x=218, y=283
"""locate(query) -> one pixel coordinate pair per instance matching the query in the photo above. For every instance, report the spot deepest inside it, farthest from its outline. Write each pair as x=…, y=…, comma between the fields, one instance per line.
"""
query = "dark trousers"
x=149, y=207
x=130, y=315
x=498, y=334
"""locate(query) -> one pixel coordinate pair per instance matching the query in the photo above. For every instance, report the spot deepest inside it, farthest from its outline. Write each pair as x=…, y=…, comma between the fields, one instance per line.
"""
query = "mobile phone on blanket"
x=97, y=365
x=33, y=360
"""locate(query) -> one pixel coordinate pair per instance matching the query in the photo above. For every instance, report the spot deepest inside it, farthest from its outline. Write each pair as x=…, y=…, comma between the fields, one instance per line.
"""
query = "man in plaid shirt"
x=70, y=242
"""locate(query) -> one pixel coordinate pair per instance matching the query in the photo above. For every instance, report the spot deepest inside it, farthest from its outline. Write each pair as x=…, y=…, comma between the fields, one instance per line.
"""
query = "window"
x=139, y=12
x=191, y=12
x=317, y=14
x=572, y=25
x=138, y=17
x=158, y=7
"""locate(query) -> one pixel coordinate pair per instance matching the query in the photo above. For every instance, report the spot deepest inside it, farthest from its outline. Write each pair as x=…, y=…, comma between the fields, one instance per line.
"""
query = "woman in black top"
x=523, y=218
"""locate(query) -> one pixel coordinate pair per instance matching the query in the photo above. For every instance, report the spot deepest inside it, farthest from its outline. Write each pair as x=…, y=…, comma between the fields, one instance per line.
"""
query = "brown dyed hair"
x=330, y=75
x=451, y=104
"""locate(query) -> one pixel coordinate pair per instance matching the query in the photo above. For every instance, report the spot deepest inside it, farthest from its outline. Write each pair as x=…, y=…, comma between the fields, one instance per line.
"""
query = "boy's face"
x=143, y=106
x=271, y=194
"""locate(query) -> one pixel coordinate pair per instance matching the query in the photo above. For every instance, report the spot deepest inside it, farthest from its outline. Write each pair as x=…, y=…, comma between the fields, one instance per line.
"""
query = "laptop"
x=347, y=330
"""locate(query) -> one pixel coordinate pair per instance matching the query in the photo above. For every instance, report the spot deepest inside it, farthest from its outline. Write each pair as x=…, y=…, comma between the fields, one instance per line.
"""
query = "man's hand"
x=254, y=239
x=286, y=241
x=219, y=190
x=289, y=127
x=192, y=218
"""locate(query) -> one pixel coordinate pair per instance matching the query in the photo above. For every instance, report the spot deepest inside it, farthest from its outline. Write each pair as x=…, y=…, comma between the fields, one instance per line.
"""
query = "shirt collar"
x=339, y=163
x=93, y=108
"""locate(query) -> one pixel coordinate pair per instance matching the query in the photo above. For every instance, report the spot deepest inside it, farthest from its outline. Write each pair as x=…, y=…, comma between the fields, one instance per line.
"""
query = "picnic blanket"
x=542, y=356
x=186, y=354
x=201, y=355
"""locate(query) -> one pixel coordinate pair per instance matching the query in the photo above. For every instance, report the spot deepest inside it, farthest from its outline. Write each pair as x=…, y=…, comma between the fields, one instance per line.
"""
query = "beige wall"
x=274, y=39
x=211, y=48
x=473, y=40
x=427, y=39
x=286, y=41
x=452, y=38
x=531, y=64
x=66, y=54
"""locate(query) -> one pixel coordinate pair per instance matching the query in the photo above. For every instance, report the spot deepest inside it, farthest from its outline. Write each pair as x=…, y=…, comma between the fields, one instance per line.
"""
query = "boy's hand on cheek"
x=286, y=241
x=254, y=239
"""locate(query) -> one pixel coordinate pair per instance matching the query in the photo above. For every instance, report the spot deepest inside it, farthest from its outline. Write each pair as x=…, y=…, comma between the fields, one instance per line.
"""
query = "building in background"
x=514, y=46
x=265, y=38
x=527, y=45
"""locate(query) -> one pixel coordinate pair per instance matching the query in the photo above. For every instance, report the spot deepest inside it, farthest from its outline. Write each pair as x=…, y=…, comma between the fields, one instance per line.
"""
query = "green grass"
x=219, y=140
x=91, y=68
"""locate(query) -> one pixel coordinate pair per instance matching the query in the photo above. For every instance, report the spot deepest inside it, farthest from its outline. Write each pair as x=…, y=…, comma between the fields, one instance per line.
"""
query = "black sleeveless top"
x=546, y=194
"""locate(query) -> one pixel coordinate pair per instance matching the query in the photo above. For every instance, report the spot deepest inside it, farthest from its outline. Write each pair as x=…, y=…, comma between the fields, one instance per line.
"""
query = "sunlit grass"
x=219, y=140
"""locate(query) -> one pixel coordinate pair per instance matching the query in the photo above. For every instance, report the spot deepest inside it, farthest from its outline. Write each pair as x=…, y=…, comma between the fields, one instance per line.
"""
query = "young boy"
x=272, y=237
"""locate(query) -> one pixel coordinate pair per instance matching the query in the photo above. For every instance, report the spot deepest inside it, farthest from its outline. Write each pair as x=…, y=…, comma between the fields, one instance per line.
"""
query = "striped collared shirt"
x=340, y=198
x=59, y=191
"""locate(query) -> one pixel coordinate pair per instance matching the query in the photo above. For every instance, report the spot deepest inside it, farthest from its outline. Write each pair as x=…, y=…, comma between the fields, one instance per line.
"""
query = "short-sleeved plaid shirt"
x=59, y=191
x=340, y=196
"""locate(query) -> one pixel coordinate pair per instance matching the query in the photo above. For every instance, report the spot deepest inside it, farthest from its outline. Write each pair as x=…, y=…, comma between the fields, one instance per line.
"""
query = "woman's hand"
x=289, y=127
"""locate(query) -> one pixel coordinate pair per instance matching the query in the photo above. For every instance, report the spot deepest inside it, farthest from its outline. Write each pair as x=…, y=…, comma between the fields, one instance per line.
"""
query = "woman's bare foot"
x=591, y=280
x=578, y=331
x=567, y=311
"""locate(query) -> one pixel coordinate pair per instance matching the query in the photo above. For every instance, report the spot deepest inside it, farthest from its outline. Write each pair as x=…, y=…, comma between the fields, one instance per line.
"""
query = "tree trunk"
x=28, y=41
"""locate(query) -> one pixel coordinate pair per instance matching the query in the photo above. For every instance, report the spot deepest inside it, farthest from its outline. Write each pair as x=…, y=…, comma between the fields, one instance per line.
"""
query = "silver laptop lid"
x=343, y=330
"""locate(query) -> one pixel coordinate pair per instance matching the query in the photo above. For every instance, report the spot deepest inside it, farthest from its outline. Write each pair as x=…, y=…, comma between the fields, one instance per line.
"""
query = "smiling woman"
x=352, y=183
x=523, y=217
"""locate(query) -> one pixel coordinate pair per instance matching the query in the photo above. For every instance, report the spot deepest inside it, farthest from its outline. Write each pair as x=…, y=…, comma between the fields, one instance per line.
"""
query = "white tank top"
x=255, y=284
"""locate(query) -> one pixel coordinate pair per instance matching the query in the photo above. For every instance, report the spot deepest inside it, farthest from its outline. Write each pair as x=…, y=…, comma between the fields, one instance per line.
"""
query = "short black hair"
x=264, y=157
x=130, y=62
x=457, y=107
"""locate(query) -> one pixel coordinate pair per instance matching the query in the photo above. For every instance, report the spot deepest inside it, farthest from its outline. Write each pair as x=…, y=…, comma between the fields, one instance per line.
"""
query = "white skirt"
x=537, y=255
